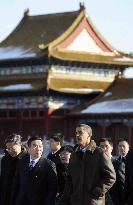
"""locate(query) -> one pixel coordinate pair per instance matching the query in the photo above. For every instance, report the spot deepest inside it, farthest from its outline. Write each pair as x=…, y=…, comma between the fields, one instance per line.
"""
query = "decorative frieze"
x=128, y=122
x=52, y=102
x=24, y=70
x=89, y=71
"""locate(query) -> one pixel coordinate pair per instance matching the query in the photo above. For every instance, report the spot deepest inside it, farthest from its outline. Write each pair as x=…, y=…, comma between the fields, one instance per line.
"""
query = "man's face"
x=13, y=148
x=54, y=146
x=123, y=148
x=36, y=149
x=65, y=157
x=82, y=136
x=107, y=148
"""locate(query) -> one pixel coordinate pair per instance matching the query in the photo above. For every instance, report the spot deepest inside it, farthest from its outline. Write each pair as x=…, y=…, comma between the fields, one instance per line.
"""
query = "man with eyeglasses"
x=13, y=153
x=62, y=168
x=35, y=179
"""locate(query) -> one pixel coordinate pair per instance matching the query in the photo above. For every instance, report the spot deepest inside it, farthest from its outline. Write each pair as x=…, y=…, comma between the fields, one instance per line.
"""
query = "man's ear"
x=28, y=149
x=58, y=143
x=89, y=136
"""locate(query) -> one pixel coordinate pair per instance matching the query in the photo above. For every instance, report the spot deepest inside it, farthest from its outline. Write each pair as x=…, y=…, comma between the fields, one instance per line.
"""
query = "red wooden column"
x=104, y=124
x=66, y=125
x=104, y=131
x=116, y=137
x=19, y=122
x=129, y=124
x=130, y=135
x=47, y=122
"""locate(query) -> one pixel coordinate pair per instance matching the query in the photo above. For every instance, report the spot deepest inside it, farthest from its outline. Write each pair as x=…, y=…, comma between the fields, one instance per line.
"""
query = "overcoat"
x=90, y=175
x=8, y=169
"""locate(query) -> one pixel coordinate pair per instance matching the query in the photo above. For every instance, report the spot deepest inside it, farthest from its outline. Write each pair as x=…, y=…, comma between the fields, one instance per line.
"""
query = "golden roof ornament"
x=41, y=46
x=26, y=12
x=119, y=75
x=82, y=5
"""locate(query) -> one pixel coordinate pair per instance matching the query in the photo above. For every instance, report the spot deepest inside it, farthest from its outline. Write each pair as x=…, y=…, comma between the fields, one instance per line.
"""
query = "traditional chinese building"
x=48, y=65
x=111, y=113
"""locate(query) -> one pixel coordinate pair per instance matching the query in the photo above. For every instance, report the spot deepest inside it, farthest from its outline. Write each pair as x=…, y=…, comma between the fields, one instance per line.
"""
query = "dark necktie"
x=31, y=165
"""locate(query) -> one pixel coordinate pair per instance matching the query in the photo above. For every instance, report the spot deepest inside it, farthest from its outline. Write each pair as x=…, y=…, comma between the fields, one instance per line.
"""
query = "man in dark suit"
x=56, y=141
x=14, y=151
x=36, y=181
x=128, y=198
x=117, y=191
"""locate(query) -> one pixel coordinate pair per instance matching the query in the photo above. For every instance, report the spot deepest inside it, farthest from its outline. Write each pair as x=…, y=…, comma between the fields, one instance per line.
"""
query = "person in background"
x=128, y=192
x=35, y=180
x=13, y=153
x=56, y=142
x=62, y=168
x=90, y=172
x=117, y=191
x=123, y=148
x=107, y=145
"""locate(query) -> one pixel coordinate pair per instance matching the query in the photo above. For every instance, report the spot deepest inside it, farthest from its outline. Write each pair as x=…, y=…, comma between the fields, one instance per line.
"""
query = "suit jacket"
x=117, y=191
x=38, y=186
x=54, y=157
x=129, y=179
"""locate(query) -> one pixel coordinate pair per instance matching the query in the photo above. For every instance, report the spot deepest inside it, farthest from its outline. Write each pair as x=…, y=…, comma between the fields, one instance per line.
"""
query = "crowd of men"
x=85, y=174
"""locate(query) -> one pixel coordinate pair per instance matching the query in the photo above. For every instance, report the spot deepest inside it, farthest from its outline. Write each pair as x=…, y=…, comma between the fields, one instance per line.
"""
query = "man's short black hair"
x=67, y=148
x=122, y=140
x=57, y=137
x=30, y=140
x=15, y=138
x=106, y=140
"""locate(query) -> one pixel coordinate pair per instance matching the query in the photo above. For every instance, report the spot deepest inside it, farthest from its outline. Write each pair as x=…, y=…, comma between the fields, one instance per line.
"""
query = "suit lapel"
x=26, y=165
x=37, y=166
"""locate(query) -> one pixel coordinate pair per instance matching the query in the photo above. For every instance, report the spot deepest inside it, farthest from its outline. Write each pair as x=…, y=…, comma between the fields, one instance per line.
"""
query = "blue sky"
x=114, y=19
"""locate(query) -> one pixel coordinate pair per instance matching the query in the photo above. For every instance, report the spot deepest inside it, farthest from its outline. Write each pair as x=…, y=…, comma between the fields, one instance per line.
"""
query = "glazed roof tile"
x=35, y=30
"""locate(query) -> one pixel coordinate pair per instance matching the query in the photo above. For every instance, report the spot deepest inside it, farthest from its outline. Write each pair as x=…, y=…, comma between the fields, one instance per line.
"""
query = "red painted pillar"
x=104, y=131
x=46, y=119
x=116, y=137
x=19, y=122
x=130, y=136
x=47, y=122
x=65, y=125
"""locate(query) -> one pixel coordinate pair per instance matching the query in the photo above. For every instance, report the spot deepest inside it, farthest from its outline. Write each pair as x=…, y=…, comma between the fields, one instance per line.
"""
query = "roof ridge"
x=69, y=30
x=29, y=18
x=14, y=30
x=99, y=34
x=50, y=14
